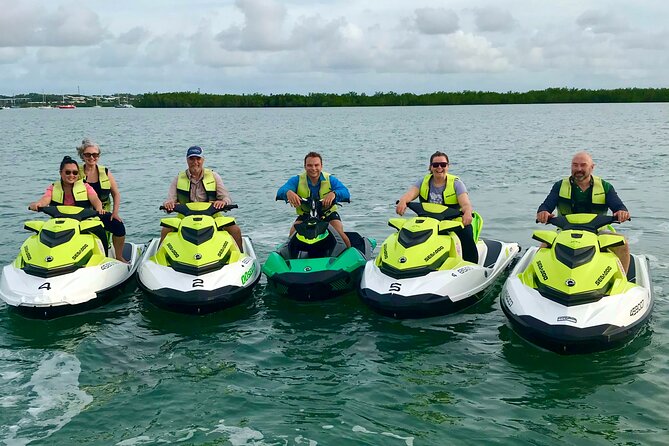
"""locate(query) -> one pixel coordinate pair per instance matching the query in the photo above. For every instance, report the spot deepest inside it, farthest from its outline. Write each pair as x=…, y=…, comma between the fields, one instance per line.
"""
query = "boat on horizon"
x=67, y=106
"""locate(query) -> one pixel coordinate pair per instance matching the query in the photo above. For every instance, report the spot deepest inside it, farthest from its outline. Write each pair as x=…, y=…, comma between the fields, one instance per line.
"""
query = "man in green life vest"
x=321, y=185
x=583, y=192
x=197, y=184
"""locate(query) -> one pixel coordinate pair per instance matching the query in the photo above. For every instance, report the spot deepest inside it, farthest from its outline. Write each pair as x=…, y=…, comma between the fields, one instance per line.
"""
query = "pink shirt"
x=68, y=198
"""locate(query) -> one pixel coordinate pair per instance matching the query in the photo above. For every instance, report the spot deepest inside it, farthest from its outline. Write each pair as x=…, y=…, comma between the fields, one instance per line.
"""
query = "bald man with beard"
x=585, y=193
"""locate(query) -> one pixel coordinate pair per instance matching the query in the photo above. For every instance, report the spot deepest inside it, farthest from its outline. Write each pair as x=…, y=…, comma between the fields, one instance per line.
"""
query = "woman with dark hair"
x=73, y=191
x=441, y=188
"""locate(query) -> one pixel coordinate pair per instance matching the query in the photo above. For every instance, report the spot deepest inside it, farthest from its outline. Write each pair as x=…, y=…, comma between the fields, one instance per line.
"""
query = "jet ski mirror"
x=544, y=236
x=34, y=225
x=610, y=240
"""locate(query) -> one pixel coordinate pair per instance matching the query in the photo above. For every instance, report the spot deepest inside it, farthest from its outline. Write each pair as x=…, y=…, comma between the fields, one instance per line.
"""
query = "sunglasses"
x=435, y=165
x=71, y=172
x=91, y=155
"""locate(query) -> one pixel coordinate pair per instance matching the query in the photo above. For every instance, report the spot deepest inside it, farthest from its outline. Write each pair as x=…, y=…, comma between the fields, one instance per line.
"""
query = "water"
x=277, y=372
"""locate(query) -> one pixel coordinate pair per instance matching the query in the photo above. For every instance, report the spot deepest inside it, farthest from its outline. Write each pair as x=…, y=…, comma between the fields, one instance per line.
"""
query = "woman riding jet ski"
x=66, y=266
x=198, y=268
x=572, y=295
x=420, y=272
x=314, y=263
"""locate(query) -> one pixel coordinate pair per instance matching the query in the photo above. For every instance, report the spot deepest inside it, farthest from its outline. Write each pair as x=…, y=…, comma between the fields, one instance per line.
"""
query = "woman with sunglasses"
x=441, y=188
x=103, y=182
x=73, y=191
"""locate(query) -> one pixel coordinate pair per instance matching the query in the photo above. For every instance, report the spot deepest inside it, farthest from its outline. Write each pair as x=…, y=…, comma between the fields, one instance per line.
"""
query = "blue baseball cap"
x=195, y=151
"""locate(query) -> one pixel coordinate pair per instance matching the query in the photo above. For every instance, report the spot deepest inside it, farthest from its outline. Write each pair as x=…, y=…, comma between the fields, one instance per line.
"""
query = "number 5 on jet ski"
x=435, y=263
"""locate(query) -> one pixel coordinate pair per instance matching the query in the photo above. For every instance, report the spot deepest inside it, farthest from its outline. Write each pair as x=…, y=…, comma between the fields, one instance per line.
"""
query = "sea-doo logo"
x=48, y=259
x=395, y=287
x=434, y=253
x=247, y=275
x=385, y=251
x=107, y=265
x=172, y=250
x=636, y=308
x=222, y=250
x=403, y=259
x=307, y=268
x=599, y=280
x=78, y=253
x=464, y=269
x=570, y=282
x=247, y=260
x=573, y=320
x=540, y=266
x=28, y=256
x=197, y=256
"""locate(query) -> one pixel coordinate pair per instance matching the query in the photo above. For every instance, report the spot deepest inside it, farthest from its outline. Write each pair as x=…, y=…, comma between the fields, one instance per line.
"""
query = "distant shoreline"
x=189, y=99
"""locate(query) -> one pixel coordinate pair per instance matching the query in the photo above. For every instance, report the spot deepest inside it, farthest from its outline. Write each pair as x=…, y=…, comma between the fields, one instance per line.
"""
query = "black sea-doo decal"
x=567, y=319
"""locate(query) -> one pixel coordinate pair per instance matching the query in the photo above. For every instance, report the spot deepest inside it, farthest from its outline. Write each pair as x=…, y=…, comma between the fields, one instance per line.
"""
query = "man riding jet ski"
x=315, y=263
x=581, y=290
x=572, y=295
x=420, y=271
x=66, y=266
x=198, y=268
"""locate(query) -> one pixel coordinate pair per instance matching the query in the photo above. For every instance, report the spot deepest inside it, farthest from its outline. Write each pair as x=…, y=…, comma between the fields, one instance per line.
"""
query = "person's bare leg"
x=119, y=242
x=339, y=227
x=236, y=234
x=623, y=253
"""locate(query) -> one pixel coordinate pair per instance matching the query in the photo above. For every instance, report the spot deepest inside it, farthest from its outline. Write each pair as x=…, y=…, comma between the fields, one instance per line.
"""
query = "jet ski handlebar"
x=590, y=223
x=209, y=210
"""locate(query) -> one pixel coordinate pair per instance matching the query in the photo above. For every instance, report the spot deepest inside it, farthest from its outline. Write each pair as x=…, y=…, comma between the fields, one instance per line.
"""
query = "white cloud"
x=602, y=22
x=436, y=20
x=493, y=19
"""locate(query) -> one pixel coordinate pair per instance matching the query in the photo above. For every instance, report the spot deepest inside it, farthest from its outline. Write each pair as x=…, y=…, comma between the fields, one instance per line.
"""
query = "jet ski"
x=198, y=268
x=66, y=266
x=420, y=272
x=573, y=296
x=314, y=263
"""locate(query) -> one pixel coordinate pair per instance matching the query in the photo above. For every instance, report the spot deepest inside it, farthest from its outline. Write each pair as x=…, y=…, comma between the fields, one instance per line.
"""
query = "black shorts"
x=332, y=216
x=116, y=227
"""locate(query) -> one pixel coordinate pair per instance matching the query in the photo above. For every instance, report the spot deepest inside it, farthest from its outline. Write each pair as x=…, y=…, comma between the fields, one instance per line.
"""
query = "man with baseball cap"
x=197, y=184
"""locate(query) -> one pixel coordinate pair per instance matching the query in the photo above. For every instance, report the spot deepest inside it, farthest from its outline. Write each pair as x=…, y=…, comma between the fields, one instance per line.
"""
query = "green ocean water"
x=277, y=372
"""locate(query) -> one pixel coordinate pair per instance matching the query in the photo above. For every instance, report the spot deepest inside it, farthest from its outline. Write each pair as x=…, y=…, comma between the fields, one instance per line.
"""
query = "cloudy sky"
x=302, y=46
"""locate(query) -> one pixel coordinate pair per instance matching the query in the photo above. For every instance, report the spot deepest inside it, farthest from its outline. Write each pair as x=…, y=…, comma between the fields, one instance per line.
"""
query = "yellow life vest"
x=105, y=185
x=183, y=186
x=450, y=197
x=598, y=197
x=304, y=191
x=78, y=191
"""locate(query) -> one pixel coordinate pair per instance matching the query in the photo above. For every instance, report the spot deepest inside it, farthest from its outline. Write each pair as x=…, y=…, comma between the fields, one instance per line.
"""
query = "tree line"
x=189, y=99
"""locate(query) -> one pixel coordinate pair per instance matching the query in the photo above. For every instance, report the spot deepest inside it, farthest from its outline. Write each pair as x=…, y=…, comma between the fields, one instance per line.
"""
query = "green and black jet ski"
x=66, y=266
x=419, y=271
x=198, y=268
x=314, y=263
x=572, y=295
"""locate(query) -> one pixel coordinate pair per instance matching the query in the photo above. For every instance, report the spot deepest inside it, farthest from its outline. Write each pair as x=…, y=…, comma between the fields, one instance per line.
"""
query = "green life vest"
x=450, y=198
x=597, y=197
x=304, y=191
x=105, y=186
x=183, y=186
x=78, y=190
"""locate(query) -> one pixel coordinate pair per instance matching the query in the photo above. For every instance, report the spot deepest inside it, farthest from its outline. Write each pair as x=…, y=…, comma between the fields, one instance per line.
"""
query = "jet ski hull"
x=39, y=297
x=199, y=294
x=318, y=278
x=581, y=328
x=437, y=292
